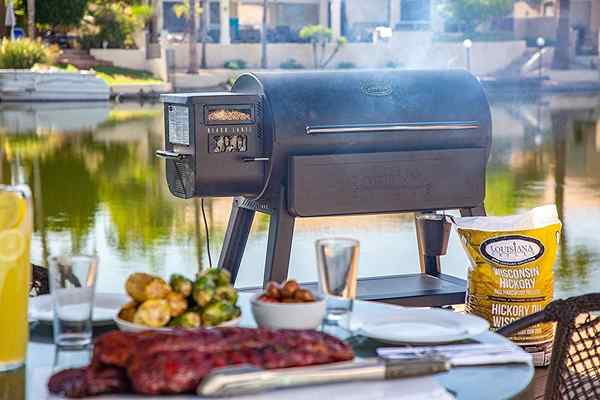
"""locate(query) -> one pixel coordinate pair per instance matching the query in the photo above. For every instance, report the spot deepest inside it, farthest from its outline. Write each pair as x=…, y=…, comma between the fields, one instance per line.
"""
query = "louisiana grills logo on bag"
x=512, y=250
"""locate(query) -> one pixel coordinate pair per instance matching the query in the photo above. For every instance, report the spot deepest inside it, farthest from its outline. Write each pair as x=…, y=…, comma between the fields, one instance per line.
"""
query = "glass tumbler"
x=337, y=263
x=16, y=224
x=72, y=284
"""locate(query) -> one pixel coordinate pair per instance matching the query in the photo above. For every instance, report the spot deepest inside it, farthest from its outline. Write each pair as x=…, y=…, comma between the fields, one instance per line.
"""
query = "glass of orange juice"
x=16, y=223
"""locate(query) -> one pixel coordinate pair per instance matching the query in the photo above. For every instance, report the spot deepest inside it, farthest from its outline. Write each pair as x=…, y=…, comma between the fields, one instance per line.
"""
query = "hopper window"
x=229, y=115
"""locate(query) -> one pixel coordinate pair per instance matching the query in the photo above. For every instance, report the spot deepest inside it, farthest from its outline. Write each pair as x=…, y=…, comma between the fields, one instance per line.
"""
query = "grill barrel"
x=302, y=144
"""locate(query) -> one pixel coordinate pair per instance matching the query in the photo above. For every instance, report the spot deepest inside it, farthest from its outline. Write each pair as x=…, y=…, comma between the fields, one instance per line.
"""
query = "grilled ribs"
x=175, y=362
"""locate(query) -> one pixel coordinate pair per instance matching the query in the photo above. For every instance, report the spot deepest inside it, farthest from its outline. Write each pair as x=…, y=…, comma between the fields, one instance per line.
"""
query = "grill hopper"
x=351, y=142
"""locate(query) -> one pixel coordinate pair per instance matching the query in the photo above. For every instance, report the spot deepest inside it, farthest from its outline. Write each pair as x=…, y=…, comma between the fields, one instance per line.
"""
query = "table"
x=466, y=383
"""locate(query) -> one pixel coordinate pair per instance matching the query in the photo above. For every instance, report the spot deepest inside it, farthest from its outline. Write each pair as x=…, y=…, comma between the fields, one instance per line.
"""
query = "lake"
x=98, y=188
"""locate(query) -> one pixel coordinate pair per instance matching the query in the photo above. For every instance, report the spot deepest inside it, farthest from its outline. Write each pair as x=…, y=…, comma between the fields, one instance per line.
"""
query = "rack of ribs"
x=174, y=362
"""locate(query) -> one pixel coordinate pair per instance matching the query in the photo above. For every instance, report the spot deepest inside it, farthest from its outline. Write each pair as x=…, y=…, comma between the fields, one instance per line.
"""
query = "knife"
x=246, y=379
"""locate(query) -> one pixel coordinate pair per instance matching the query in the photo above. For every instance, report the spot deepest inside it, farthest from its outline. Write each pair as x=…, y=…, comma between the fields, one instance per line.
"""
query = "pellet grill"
x=309, y=144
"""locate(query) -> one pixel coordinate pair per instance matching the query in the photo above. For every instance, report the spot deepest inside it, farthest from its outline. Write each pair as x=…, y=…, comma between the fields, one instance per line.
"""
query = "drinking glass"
x=16, y=222
x=72, y=284
x=337, y=263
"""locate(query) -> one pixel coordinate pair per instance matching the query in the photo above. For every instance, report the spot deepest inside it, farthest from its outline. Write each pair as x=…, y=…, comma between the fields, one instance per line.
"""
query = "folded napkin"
x=462, y=354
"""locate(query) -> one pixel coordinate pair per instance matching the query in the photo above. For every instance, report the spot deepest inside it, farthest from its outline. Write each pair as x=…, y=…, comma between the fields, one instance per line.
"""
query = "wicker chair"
x=574, y=371
x=39, y=281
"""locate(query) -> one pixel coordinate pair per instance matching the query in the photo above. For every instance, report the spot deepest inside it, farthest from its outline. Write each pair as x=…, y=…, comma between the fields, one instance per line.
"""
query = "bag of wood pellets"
x=511, y=273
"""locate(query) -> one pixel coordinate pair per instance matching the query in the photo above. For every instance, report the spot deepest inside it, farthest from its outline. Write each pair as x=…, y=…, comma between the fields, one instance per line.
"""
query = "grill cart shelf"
x=335, y=143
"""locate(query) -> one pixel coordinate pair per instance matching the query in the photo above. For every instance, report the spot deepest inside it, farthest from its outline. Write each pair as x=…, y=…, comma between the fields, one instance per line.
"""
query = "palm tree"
x=31, y=18
x=562, y=51
x=205, y=22
x=193, y=51
x=263, y=36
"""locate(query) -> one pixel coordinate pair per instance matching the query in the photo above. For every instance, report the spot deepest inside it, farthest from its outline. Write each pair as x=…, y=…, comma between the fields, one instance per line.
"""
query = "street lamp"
x=468, y=43
x=541, y=42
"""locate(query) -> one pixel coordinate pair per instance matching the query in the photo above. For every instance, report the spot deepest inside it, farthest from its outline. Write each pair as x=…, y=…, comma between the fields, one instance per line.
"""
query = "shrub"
x=291, y=64
x=345, y=65
x=235, y=64
x=319, y=36
x=25, y=53
x=113, y=24
x=393, y=64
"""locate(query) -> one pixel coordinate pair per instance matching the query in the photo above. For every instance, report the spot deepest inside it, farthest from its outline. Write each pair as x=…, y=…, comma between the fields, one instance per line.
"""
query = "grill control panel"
x=208, y=139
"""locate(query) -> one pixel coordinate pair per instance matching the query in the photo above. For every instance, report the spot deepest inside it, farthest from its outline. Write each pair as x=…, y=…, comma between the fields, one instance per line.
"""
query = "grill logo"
x=512, y=250
x=376, y=88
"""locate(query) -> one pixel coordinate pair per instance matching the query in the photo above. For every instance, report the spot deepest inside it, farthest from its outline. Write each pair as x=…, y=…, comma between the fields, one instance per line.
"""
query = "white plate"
x=131, y=327
x=420, y=326
x=106, y=305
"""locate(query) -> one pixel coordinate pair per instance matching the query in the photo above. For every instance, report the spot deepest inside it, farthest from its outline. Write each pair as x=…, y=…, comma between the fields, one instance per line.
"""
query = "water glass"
x=72, y=284
x=337, y=263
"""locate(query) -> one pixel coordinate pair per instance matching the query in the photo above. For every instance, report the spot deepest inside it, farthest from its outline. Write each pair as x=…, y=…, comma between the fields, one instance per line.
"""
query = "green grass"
x=119, y=76
x=125, y=76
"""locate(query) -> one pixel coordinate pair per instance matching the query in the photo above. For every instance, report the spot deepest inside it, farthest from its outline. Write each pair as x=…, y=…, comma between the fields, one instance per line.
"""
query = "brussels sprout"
x=141, y=287
x=181, y=284
x=188, y=319
x=177, y=303
x=153, y=313
x=217, y=312
x=221, y=277
x=204, y=290
x=227, y=294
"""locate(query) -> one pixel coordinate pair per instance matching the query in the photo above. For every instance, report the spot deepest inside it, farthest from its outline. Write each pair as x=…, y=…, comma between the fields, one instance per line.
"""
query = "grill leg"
x=236, y=237
x=279, y=245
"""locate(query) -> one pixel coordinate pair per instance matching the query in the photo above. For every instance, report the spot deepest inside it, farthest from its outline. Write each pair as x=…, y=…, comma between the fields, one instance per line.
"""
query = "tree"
x=562, y=51
x=193, y=67
x=189, y=9
x=467, y=15
x=319, y=37
x=31, y=18
x=263, y=36
x=205, y=22
x=60, y=13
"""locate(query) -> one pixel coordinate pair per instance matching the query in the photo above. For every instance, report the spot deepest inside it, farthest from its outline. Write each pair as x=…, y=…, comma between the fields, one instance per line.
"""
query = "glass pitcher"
x=16, y=223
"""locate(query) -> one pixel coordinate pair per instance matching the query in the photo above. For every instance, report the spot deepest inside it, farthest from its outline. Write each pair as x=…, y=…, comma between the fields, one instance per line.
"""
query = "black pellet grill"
x=309, y=144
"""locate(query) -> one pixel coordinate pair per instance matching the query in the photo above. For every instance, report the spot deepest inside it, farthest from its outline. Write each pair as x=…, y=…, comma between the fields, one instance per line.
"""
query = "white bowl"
x=288, y=315
x=131, y=327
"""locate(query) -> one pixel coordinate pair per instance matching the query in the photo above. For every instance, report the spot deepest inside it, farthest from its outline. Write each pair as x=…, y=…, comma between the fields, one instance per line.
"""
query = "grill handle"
x=170, y=155
x=407, y=127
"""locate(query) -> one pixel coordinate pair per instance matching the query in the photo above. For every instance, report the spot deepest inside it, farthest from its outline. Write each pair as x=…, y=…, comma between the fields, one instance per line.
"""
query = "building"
x=533, y=19
x=240, y=20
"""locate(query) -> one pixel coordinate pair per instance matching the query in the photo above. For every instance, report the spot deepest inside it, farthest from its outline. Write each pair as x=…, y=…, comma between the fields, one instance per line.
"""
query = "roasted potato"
x=141, y=287
x=181, y=284
x=153, y=313
x=204, y=290
x=217, y=312
x=188, y=319
x=227, y=294
x=303, y=295
x=177, y=303
x=288, y=289
x=128, y=311
x=273, y=290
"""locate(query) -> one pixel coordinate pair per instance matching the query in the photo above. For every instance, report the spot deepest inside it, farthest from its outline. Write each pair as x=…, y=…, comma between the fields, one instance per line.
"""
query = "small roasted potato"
x=273, y=290
x=288, y=289
x=128, y=311
x=141, y=287
x=304, y=295
x=177, y=303
x=181, y=284
x=188, y=319
x=153, y=313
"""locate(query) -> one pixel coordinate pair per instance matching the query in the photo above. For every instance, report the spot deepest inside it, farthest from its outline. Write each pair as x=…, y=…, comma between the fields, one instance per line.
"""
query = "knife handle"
x=397, y=369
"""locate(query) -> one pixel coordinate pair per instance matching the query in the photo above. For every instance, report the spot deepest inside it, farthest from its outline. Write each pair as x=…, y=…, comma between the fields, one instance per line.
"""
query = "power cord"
x=206, y=234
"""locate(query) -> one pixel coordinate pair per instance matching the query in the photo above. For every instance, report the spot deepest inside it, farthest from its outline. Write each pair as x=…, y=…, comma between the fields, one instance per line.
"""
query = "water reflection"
x=98, y=188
